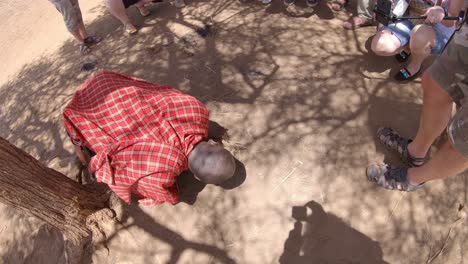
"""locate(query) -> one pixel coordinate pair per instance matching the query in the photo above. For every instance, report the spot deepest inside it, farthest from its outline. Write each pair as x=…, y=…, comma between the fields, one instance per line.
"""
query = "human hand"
x=434, y=15
x=216, y=131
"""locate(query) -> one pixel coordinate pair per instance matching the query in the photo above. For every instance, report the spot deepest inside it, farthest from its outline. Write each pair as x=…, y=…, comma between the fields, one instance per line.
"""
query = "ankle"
x=413, y=67
x=416, y=152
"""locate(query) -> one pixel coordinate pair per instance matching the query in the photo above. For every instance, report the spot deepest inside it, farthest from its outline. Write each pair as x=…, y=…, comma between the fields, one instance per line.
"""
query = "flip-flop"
x=91, y=40
x=357, y=22
x=405, y=76
x=402, y=56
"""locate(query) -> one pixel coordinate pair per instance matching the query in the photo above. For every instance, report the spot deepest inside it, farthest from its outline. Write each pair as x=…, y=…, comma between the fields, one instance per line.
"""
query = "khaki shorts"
x=70, y=10
x=450, y=70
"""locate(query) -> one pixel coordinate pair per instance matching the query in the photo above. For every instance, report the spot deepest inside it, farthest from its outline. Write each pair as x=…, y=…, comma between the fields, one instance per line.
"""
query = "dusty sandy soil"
x=301, y=98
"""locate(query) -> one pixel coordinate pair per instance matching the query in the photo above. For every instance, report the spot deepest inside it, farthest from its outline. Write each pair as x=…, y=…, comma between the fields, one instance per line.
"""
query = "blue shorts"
x=402, y=30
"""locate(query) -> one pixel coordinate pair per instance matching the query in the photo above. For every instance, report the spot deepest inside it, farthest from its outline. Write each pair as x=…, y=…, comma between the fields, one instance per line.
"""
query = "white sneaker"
x=179, y=3
x=266, y=2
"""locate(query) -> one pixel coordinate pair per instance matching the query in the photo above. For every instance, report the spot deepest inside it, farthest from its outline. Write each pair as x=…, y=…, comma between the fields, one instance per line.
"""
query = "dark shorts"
x=128, y=3
x=450, y=70
x=402, y=30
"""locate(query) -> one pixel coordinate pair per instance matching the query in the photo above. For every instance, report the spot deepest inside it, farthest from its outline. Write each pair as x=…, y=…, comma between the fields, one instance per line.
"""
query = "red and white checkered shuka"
x=141, y=133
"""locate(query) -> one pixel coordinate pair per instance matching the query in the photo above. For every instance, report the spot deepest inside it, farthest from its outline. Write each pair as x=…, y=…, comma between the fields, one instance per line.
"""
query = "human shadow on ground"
x=321, y=237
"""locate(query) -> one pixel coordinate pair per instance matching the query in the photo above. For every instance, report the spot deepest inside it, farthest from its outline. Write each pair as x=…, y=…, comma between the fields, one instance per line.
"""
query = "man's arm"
x=82, y=156
x=454, y=10
x=216, y=131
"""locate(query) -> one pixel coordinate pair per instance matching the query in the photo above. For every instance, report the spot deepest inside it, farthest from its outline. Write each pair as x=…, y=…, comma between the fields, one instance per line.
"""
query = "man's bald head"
x=211, y=163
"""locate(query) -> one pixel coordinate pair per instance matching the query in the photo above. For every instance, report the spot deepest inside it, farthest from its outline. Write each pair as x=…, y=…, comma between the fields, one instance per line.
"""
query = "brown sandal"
x=357, y=22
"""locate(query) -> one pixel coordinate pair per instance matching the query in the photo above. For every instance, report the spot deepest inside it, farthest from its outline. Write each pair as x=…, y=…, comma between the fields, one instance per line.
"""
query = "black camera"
x=384, y=13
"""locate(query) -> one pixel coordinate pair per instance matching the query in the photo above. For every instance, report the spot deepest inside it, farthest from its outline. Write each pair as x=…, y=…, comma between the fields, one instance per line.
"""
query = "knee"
x=385, y=44
x=422, y=37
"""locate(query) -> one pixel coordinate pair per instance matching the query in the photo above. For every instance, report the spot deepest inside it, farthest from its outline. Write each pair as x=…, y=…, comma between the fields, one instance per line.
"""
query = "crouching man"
x=142, y=136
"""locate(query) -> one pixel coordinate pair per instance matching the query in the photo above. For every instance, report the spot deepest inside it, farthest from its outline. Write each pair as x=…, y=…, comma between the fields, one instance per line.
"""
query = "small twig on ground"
x=444, y=245
x=396, y=205
x=289, y=175
x=208, y=67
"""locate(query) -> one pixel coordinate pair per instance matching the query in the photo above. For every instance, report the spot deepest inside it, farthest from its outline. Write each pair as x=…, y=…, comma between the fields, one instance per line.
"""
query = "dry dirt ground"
x=301, y=98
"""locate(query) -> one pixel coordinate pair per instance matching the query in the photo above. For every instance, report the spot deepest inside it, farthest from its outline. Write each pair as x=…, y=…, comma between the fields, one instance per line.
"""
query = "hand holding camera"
x=384, y=14
x=434, y=15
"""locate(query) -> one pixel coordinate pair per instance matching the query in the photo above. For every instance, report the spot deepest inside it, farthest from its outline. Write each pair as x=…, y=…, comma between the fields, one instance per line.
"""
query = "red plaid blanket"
x=141, y=133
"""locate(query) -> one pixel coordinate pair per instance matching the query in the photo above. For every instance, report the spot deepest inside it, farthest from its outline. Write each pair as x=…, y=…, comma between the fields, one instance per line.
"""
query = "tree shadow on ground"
x=133, y=215
x=321, y=237
x=294, y=94
x=47, y=245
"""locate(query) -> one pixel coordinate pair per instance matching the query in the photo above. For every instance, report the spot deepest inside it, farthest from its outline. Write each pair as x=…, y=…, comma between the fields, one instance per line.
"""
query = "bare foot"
x=130, y=29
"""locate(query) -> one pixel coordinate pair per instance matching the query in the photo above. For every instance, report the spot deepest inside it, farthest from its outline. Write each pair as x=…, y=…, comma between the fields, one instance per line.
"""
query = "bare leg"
x=81, y=156
x=117, y=9
x=446, y=163
x=421, y=42
x=77, y=35
x=435, y=115
x=82, y=31
x=385, y=43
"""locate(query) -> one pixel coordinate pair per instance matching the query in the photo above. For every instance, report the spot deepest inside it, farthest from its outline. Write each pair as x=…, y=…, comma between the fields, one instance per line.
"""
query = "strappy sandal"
x=404, y=75
x=394, y=142
x=84, y=49
x=91, y=40
x=403, y=56
x=338, y=5
x=391, y=177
